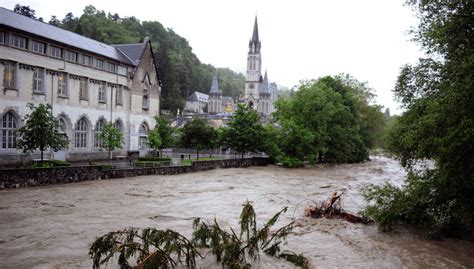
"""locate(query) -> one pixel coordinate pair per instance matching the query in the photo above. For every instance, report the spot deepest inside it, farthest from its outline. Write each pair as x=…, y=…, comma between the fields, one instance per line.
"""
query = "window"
x=56, y=52
x=102, y=98
x=38, y=75
x=143, y=134
x=8, y=130
x=99, y=64
x=86, y=60
x=98, y=128
x=111, y=67
x=38, y=47
x=118, y=125
x=80, y=134
x=62, y=125
x=83, y=89
x=10, y=71
x=146, y=93
x=2, y=37
x=62, y=90
x=119, y=96
x=19, y=42
x=71, y=56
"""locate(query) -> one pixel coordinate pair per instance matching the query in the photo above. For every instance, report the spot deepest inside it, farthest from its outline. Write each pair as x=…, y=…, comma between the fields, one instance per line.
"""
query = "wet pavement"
x=53, y=226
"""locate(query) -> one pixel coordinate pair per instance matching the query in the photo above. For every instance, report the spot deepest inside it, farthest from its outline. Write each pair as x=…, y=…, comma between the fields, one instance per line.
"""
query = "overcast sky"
x=301, y=39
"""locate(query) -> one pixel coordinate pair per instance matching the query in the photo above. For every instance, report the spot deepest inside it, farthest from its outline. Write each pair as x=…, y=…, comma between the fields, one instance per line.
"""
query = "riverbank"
x=53, y=225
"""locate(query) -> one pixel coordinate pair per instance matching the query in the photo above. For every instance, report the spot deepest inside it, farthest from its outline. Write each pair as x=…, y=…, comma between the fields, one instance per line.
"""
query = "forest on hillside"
x=179, y=69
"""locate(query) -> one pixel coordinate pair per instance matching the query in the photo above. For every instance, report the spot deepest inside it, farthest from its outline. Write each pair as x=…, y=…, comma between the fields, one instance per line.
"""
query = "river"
x=53, y=226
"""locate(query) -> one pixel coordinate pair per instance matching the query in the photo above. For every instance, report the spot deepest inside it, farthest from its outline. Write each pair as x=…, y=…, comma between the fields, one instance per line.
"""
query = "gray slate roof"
x=133, y=51
x=197, y=96
x=35, y=27
x=214, y=85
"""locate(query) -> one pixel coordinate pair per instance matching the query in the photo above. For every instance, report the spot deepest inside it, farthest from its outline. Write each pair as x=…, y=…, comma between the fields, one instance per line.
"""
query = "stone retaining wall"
x=13, y=178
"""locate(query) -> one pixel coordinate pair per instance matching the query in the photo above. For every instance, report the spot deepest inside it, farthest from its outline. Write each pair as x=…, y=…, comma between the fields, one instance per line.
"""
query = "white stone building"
x=86, y=82
x=197, y=103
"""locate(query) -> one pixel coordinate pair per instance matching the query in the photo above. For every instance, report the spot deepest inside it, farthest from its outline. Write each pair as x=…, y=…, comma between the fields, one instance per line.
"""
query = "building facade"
x=197, y=103
x=87, y=83
x=219, y=104
x=258, y=93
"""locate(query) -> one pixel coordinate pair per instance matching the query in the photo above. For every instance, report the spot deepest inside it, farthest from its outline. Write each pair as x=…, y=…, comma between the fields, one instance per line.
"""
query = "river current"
x=53, y=226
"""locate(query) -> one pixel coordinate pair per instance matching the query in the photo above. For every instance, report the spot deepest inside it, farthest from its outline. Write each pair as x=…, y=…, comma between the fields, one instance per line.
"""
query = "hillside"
x=180, y=70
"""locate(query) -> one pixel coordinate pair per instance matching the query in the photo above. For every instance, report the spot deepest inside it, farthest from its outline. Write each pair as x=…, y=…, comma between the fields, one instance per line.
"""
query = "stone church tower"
x=215, y=97
x=257, y=94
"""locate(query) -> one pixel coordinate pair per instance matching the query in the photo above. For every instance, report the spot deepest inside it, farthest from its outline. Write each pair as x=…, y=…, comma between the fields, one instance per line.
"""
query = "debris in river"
x=331, y=208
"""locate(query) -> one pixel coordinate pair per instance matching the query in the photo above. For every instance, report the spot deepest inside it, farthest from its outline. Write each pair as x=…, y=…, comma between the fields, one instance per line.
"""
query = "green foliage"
x=111, y=137
x=150, y=247
x=291, y=162
x=153, y=159
x=154, y=140
x=437, y=126
x=196, y=134
x=162, y=136
x=244, y=133
x=50, y=163
x=235, y=251
x=40, y=131
x=25, y=11
x=330, y=120
x=179, y=69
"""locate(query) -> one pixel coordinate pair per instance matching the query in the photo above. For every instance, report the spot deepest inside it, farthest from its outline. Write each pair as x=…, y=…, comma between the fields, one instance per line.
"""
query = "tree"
x=41, y=131
x=54, y=21
x=166, y=133
x=111, y=138
x=154, y=141
x=437, y=126
x=195, y=135
x=244, y=133
x=25, y=11
x=324, y=112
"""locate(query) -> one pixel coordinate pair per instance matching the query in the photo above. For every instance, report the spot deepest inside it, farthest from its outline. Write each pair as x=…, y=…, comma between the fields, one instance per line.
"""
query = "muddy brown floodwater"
x=53, y=226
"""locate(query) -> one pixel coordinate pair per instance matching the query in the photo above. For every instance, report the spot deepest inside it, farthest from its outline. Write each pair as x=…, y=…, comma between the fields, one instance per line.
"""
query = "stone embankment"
x=14, y=178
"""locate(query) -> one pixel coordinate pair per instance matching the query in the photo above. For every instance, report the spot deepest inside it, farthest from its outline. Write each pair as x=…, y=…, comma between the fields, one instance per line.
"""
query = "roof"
x=42, y=29
x=214, y=85
x=255, y=32
x=133, y=51
x=197, y=96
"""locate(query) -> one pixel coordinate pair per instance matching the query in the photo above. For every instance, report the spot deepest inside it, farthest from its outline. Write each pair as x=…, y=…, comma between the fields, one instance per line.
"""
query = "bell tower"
x=254, y=66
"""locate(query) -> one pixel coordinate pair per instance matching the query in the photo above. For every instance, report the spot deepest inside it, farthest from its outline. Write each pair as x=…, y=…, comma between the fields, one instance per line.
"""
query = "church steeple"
x=254, y=44
x=214, y=85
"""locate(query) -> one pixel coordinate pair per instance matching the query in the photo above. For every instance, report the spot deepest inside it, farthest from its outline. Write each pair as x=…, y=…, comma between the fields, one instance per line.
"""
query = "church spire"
x=255, y=44
x=255, y=32
x=214, y=85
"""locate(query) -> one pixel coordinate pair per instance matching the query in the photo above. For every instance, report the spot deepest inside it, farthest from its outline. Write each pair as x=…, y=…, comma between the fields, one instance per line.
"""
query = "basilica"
x=259, y=93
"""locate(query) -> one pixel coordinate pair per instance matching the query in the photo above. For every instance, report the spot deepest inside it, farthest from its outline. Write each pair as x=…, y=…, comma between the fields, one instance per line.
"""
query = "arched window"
x=118, y=125
x=80, y=134
x=62, y=125
x=143, y=134
x=99, y=126
x=8, y=130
